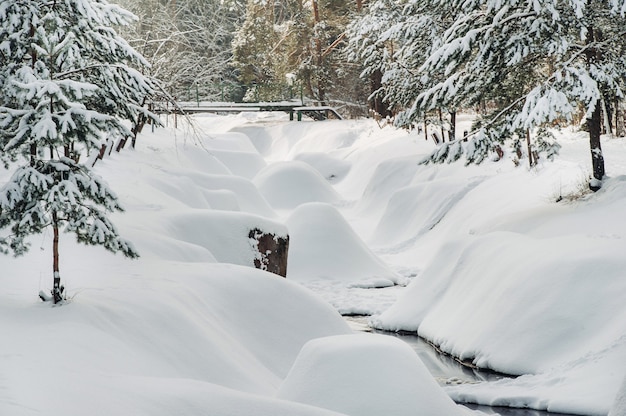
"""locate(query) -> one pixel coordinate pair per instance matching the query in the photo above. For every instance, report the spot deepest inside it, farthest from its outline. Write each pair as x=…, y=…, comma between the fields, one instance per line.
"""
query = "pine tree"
x=280, y=39
x=270, y=46
x=66, y=84
x=393, y=40
x=534, y=64
x=540, y=61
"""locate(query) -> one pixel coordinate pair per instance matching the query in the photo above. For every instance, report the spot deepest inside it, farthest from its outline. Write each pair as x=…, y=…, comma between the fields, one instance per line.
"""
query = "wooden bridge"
x=295, y=109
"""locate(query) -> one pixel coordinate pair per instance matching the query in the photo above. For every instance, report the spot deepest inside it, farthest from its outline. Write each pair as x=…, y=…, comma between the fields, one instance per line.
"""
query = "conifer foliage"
x=66, y=85
x=536, y=63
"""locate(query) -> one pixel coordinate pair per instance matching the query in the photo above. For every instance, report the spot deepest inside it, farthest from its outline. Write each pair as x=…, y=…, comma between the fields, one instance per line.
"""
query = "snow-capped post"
x=66, y=84
x=271, y=251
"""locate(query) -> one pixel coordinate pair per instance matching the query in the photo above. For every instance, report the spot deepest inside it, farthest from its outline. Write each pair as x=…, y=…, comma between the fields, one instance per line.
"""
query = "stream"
x=446, y=370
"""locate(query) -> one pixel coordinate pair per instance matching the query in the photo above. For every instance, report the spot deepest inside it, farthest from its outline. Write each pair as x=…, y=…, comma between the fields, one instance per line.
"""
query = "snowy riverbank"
x=496, y=272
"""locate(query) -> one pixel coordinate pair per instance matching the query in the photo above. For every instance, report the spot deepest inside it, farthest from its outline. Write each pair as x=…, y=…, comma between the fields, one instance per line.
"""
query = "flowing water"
x=446, y=370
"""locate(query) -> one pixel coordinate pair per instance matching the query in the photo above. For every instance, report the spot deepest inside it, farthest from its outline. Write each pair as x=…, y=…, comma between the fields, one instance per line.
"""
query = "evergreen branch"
x=87, y=68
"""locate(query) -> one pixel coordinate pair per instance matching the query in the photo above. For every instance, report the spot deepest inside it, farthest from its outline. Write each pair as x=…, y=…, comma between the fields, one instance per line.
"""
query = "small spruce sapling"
x=66, y=82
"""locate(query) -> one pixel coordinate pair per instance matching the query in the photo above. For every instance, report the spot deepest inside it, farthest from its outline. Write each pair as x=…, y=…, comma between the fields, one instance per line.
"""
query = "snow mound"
x=517, y=274
x=157, y=327
x=365, y=375
x=333, y=169
x=178, y=190
x=248, y=197
x=388, y=177
x=224, y=234
x=286, y=185
x=244, y=164
x=415, y=210
x=323, y=246
x=619, y=406
x=559, y=389
x=196, y=157
x=259, y=137
x=230, y=141
x=236, y=152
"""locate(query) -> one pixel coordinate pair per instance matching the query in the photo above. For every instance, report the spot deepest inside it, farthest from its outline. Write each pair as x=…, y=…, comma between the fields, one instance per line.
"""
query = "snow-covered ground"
x=480, y=260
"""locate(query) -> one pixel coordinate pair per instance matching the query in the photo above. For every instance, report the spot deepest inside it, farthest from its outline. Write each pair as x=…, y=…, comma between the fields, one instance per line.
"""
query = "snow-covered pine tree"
x=544, y=60
x=395, y=38
x=66, y=84
x=371, y=44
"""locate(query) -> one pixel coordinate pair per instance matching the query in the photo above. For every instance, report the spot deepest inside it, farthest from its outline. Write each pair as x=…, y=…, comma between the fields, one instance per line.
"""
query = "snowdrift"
x=179, y=330
x=286, y=185
x=158, y=327
x=619, y=406
x=501, y=276
x=505, y=277
x=365, y=375
x=324, y=246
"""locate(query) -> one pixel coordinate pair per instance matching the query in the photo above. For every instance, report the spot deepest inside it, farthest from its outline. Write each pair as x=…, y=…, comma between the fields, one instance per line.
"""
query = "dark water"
x=446, y=370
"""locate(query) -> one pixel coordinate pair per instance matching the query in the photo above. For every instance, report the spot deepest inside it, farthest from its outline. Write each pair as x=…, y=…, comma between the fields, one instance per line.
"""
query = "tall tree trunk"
x=597, y=159
x=319, y=58
x=595, y=122
x=57, y=289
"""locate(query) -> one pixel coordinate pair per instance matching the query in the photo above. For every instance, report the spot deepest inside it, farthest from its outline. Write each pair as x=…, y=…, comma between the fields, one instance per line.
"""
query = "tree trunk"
x=319, y=59
x=377, y=104
x=33, y=154
x=595, y=122
x=530, y=150
x=57, y=289
x=452, y=136
x=620, y=128
x=606, y=118
x=597, y=159
x=443, y=133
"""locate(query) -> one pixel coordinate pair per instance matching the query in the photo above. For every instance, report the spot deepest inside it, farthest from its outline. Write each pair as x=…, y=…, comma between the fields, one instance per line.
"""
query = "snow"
x=324, y=246
x=283, y=183
x=480, y=260
x=365, y=374
x=619, y=406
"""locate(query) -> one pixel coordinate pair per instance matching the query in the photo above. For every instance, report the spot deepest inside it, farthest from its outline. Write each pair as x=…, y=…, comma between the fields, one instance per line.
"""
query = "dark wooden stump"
x=271, y=251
